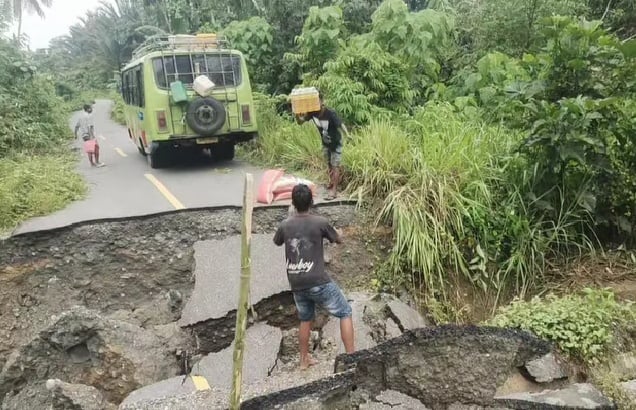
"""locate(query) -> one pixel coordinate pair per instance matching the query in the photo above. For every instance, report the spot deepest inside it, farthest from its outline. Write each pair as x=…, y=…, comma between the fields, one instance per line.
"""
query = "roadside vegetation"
x=494, y=138
x=37, y=173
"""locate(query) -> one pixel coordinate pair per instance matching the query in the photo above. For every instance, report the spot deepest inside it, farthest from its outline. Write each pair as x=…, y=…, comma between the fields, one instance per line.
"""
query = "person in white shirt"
x=86, y=129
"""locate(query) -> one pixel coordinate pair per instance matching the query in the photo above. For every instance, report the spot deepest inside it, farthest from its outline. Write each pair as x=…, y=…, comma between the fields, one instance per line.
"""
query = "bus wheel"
x=205, y=116
x=157, y=157
x=223, y=151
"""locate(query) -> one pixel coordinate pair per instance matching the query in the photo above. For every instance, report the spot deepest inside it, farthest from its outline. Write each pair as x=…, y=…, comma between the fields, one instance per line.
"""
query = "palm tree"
x=30, y=6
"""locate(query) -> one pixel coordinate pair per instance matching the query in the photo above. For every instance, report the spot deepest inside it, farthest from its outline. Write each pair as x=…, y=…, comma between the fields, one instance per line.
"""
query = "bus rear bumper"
x=193, y=140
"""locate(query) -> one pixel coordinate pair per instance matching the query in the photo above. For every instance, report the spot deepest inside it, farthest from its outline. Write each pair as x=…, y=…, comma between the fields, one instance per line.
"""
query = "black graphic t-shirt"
x=328, y=124
x=302, y=236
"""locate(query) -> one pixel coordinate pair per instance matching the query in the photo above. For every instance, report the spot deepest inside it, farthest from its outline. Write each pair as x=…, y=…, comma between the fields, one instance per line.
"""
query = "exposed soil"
x=615, y=270
x=352, y=263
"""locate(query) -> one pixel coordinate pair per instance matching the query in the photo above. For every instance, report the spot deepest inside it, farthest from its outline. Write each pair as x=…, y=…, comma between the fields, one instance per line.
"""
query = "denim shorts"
x=329, y=296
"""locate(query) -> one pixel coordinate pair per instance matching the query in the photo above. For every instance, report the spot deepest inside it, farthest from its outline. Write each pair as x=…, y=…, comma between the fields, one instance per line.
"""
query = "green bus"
x=164, y=113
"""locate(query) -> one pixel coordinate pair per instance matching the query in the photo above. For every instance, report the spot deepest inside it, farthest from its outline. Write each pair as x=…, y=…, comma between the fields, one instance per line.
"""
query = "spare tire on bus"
x=205, y=116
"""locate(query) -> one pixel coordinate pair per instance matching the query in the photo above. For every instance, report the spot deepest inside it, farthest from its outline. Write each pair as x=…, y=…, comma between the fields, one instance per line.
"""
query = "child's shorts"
x=89, y=146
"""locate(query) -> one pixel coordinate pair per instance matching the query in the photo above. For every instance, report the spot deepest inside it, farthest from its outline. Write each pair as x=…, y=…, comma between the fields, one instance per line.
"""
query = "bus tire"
x=205, y=116
x=157, y=157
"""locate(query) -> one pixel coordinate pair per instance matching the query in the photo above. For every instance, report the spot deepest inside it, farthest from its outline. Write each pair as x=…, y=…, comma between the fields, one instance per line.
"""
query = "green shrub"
x=33, y=186
x=117, y=112
x=580, y=325
x=575, y=101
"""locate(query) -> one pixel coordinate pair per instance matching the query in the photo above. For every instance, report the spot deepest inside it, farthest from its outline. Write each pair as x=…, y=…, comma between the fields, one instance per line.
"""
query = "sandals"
x=330, y=196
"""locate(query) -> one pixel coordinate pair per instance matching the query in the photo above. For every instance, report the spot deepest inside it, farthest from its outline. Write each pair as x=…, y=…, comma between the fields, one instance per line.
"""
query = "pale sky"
x=59, y=18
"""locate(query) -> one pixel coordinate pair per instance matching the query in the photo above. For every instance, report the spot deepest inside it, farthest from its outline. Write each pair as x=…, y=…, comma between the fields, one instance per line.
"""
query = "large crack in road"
x=136, y=270
x=139, y=313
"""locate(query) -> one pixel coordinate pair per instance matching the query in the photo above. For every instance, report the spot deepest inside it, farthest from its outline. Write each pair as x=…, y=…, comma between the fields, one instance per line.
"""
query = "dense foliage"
x=23, y=92
x=582, y=326
x=493, y=169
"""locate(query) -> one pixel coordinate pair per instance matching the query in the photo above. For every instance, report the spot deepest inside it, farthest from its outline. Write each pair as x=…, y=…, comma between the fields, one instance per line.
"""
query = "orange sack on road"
x=276, y=186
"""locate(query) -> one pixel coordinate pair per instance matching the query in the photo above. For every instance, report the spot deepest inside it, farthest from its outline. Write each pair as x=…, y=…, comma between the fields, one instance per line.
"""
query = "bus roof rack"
x=181, y=42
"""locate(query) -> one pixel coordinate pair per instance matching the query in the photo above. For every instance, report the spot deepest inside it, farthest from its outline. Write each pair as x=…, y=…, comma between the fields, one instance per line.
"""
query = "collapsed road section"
x=139, y=314
x=131, y=277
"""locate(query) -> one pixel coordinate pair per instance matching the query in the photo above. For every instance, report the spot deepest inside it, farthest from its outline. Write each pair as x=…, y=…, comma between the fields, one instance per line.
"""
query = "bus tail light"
x=247, y=118
x=162, y=123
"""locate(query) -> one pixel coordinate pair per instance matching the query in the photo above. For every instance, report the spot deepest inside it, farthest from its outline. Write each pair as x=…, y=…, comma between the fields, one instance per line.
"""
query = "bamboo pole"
x=246, y=273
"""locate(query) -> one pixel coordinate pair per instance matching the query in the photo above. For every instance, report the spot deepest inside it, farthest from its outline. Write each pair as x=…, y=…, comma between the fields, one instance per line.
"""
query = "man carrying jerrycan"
x=330, y=126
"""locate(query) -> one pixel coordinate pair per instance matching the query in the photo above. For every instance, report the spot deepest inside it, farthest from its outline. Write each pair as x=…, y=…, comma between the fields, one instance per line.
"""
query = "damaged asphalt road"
x=138, y=268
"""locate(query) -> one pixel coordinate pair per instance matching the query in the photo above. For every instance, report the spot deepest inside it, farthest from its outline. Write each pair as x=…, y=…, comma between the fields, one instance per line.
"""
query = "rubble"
x=83, y=347
x=450, y=367
x=577, y=396
x=54, y=394
x=75, y=396
x=630, y=388
x=546, y=369
x=376, y=318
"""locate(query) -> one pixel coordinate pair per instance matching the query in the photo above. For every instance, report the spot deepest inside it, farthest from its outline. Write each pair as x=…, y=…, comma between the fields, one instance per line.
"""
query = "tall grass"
x=36, y=185
x=429, y=175
x=455, y=194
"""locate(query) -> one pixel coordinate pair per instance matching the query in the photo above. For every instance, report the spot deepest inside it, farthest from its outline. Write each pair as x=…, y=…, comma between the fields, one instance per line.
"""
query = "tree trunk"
x=246, y=273
x=19, y=34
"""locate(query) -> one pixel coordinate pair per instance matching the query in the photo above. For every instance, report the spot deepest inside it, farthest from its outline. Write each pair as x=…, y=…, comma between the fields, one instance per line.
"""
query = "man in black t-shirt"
x=330, y=126
x=302, y=235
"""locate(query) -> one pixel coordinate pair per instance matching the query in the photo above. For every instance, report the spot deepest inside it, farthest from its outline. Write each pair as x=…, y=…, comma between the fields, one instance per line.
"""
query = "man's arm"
x=344, y=129
x=92, y=131
x=329, y=232
x=337, y=122
x=300, y=119
x=279, y=238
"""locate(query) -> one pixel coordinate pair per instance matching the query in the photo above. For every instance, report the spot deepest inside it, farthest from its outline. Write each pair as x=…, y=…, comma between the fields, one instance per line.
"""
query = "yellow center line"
x=200, y=383
x=164, y=191
x=120, y=152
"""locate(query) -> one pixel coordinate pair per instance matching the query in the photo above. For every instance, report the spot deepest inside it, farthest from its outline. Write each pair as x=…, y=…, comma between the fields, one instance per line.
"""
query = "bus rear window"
x=223, y=69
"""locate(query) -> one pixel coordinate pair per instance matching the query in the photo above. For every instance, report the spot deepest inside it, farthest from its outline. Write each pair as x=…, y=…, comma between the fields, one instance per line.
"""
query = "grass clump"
x=611, y=387
x=36, y=185
x=581, y=325
x=428, y=177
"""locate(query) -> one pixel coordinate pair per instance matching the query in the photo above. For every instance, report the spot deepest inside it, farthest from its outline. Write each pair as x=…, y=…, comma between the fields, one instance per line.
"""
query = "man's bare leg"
x=346, y=333
x=90, y=159
x=335, y=179
x=330, y=186
x=303, y=340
